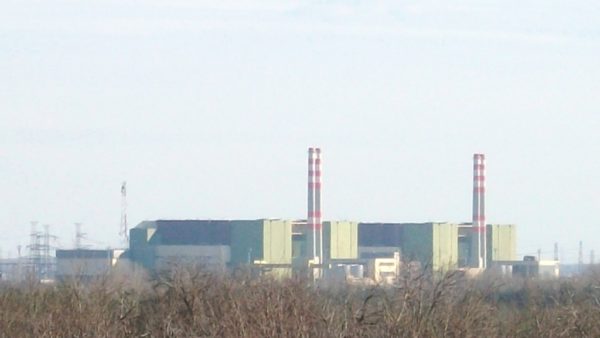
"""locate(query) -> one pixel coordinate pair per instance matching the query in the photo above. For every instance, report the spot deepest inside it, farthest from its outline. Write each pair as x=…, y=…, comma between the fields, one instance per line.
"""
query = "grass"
x=193, y=303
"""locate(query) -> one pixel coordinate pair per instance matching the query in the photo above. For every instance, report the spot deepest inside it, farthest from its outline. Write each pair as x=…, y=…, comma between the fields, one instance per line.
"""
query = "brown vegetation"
x=192, y=303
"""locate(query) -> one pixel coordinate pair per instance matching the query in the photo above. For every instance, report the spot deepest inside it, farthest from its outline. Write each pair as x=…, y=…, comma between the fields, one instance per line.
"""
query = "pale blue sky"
x=207, y=109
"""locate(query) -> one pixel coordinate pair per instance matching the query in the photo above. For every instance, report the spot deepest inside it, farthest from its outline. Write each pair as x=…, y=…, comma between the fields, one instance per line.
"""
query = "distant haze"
x=207, y=109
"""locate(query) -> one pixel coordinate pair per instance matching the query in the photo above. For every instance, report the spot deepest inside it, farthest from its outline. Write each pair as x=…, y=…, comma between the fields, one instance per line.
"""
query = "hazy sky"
x=206, y=109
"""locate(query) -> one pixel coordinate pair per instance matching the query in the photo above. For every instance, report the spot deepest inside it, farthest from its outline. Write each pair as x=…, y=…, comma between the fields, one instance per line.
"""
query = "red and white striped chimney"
x=317, y=217
x=310, y=221
x=314, y=234
x=479, y=240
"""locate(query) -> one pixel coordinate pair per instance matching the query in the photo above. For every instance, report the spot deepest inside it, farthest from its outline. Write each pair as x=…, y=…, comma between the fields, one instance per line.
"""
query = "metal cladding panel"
x=445, y=246
x=246, y=242
x=141, y=237
x=200, y=256
x=380, y=234
x=342, y=239
x=141, y=250
x=138, y=237
x=417, y=242
x=502, y=242
x=194, y=232
x=298, y=246
x=369, y=252
x=144, y=256
x=277, y=242
x=434, y=245
x=464, y=251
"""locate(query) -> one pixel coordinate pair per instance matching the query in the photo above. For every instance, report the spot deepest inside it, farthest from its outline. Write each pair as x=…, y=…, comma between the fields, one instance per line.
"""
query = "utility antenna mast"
x=124, y=232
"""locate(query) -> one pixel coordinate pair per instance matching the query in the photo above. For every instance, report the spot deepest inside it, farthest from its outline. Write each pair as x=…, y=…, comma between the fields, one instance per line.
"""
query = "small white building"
x=529, y=267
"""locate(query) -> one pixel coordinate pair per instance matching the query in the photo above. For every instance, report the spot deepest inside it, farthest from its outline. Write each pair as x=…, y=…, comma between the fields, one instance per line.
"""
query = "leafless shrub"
x=193, y=302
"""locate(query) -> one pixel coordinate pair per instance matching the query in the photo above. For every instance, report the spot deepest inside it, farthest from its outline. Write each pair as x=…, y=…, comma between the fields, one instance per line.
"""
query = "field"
x=192, y=303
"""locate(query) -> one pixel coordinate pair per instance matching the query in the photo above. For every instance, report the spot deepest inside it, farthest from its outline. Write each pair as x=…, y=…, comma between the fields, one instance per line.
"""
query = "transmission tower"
x=124, y=233
x=19, y=267
x=35, y=254
x=46, y=251
x=592, y=257
x=556, y=251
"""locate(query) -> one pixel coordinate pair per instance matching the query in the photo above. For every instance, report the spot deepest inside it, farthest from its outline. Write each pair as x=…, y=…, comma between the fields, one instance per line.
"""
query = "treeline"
x=193, y=303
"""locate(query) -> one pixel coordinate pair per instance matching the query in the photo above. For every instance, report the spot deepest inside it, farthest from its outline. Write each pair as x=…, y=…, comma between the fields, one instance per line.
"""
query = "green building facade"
x=501, y=242
x=266, y=241
x=236, y=242
x=434, y=245
x=279, y=245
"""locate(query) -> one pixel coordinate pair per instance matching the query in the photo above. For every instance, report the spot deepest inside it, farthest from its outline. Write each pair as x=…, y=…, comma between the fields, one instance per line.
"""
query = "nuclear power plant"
x=322, y=249
x=328, y=249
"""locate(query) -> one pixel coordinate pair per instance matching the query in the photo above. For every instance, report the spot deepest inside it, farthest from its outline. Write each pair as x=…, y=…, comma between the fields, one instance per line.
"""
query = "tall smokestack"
x=479, y=240
x=311, y=233
x=318, y=221
x=482, y=218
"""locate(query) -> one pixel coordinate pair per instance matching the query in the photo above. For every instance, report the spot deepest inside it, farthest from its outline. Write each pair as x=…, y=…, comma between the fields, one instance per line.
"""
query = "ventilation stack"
x=313, y=221
x=318, y=221
x=311, y=248
x=478, y=240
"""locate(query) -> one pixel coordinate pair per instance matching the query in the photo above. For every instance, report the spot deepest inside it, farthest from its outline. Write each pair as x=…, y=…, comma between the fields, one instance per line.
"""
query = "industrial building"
x=285, y=246
x=281, y=246
x=85, y=264
x=501, y=243
x=11, y=268
x=212, y=244
x=271, y=244
x=529, y=267
x=431, y=244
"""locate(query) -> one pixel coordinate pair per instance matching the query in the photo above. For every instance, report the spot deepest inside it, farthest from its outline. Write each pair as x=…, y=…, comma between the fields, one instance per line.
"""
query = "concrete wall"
x=83, y=263
x=82, y=267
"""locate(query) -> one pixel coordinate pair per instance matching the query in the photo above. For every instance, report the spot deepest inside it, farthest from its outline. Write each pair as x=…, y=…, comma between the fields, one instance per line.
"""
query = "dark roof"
x=193, y=232
x=380, y=234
